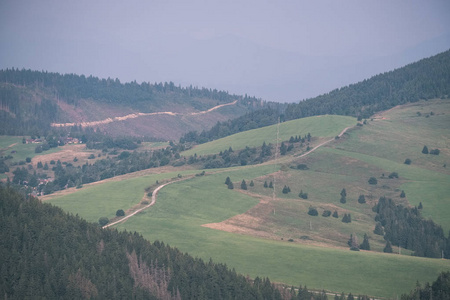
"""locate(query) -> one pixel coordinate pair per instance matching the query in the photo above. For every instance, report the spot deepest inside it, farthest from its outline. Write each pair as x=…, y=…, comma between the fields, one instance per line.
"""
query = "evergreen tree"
x=265, y=184
x=378, y=229
x=271, y=185
x=283, y=149
x=343, y=196
x=231, y=185
x=402, y=194
x=365, y=244
x=252, y=183
x=285, y=189
x=243, y=185
x=313, y=211
x=388, y=247
x=425, y=150
x=227, y=181
x=335, y=214
x=420, y=206
x=361, y=199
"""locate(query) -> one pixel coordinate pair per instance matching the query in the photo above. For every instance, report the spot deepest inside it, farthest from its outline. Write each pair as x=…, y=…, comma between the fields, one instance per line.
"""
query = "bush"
x=303, y=195
x=407, y=161
x=326, y=213
x=103, y=221
x=120, y=213
x=373, y=180
x=28, y=159
x=435, y=152
x=393, y=175
x=361, y=199
x=92, y=156
x=302, y=167
x=312, y=211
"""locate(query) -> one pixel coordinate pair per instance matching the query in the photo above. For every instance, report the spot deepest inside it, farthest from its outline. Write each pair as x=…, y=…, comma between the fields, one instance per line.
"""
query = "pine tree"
x=230, y=185
x=343, y=196
x=361, y=199
x=420, y=206
x=335, y=214
x=243, y=185
x=283, y=149
x=388, y=248
x=402, y=194
x=265, y=184
x=365, y=244
x=285, y=189
x=251, y=183
x=378, y=229
x=228, y=180
x=271, y=185
x=425, y=150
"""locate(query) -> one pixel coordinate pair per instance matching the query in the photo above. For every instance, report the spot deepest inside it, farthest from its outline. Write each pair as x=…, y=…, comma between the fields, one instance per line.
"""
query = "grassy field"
x=323, y=126
x=373, y=150
x=22, y=151
x=183, y=207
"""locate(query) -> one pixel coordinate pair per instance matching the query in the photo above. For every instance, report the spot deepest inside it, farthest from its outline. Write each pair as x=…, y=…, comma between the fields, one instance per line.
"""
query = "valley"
x=261, y=235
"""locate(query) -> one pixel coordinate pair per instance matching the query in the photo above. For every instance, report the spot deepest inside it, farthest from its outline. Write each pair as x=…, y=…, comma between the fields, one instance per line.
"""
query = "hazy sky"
x=276, y=50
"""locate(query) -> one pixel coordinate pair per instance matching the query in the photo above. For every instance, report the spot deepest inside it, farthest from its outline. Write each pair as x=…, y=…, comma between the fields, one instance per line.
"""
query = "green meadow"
x=321, y=126
x=184, y=206
x=17, y=150
x=374, y=150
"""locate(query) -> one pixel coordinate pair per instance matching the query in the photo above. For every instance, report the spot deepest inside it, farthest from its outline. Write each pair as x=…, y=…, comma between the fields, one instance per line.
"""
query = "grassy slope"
x=323, y=126
x=22, y=150
x=183, y=207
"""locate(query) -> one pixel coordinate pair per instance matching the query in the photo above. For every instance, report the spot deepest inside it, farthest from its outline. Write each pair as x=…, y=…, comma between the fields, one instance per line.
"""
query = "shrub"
x=92, y=156
x=435, y=152
x=28, y=159
x=326, y=213
x=393, y=175
x=373, y=180
x=407, y=161
x=303, y=195
x=312, y=211
x=302, y=167
x=103, y=221
x=120, y=213
x=361, y=199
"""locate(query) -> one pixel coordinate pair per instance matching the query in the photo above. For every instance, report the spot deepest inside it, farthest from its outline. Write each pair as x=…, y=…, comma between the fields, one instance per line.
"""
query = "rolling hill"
x=262, y=235
x=33, y=103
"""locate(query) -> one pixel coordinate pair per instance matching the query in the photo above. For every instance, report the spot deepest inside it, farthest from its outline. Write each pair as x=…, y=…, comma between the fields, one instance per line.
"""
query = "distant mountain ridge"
x=31, y=100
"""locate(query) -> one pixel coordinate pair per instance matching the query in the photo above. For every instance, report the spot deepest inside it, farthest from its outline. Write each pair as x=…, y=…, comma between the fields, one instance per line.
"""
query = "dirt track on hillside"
x=136, y=115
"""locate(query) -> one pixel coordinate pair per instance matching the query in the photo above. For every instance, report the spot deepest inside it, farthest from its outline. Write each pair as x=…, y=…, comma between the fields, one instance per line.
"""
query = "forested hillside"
x=426, y=79
x=46, y=253
x=31, y=100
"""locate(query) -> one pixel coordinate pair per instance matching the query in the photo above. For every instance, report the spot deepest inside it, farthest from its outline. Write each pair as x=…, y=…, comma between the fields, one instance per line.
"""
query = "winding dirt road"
x=155, y=192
